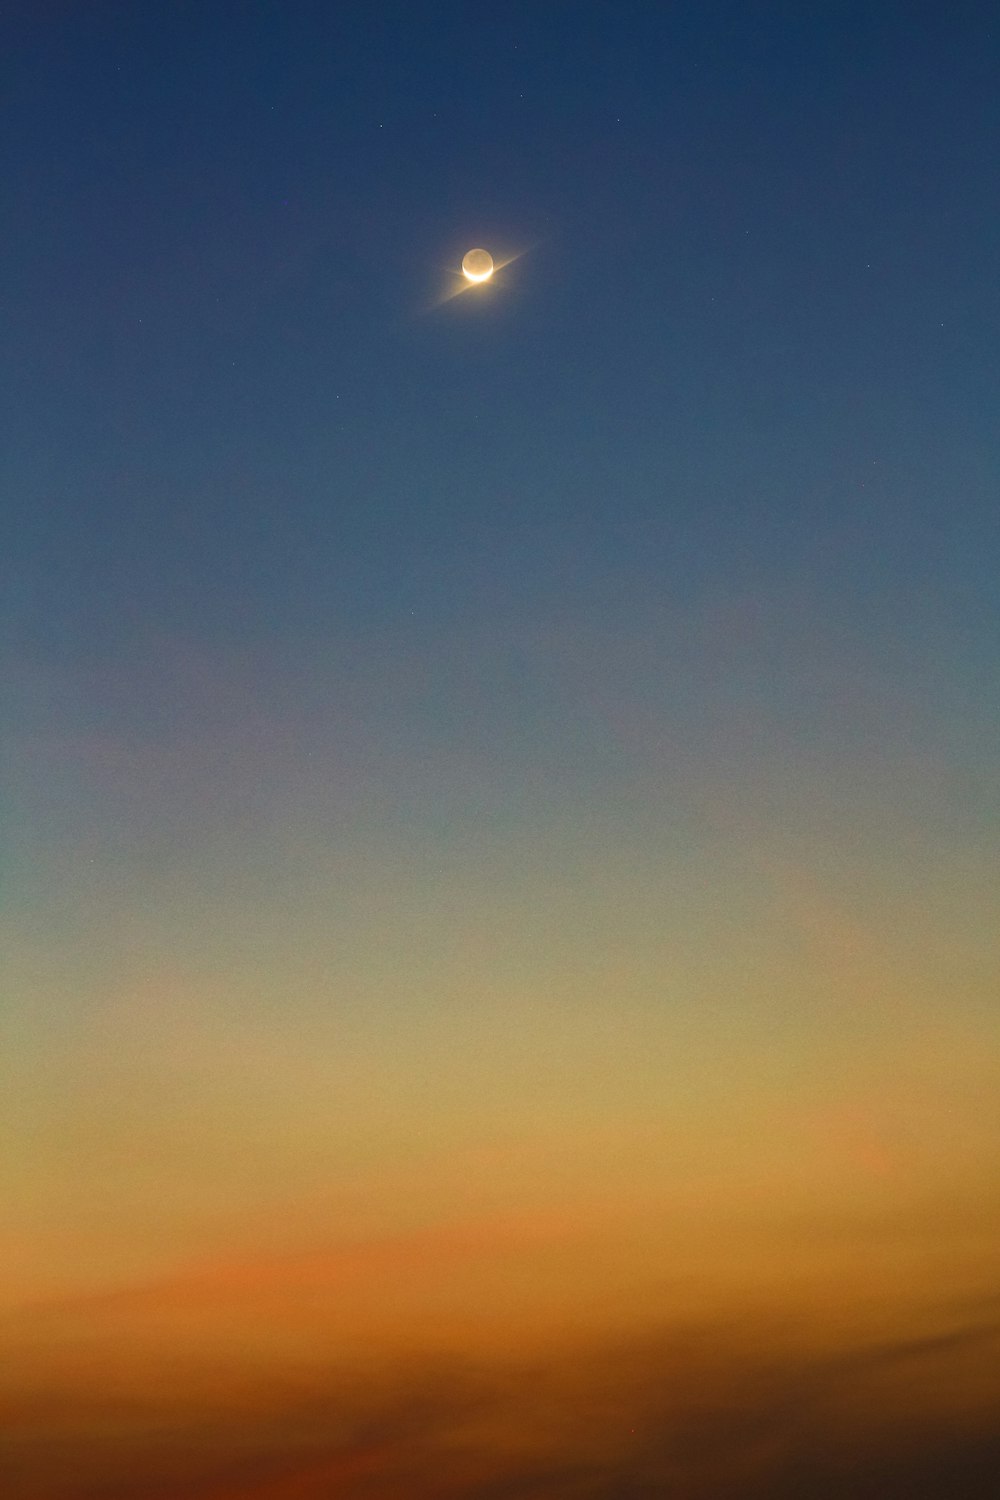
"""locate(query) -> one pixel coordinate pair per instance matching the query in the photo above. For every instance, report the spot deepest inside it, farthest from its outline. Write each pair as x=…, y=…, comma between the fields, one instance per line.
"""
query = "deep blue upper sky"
x=755, y=335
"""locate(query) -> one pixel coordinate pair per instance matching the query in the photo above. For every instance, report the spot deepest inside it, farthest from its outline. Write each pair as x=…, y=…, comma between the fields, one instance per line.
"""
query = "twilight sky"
x=499, y=990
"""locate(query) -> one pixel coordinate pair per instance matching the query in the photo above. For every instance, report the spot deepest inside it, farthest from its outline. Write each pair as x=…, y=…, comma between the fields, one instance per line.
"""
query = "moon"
x=477, y=265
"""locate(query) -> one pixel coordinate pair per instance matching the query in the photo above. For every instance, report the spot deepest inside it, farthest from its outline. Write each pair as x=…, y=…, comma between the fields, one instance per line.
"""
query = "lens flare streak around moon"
x=478, y=269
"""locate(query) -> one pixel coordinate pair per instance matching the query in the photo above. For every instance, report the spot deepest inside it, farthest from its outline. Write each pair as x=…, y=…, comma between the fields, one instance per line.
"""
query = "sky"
x=500, y=784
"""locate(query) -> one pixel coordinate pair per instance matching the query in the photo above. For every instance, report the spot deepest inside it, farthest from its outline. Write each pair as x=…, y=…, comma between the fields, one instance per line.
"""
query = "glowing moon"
x=477, y=265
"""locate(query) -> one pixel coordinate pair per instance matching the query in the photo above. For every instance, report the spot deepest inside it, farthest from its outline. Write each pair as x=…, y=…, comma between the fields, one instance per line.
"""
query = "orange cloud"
x=437, y=1249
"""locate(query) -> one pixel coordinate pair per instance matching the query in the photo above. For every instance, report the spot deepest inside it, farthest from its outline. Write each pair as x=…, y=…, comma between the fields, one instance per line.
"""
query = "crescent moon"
x=477, y=265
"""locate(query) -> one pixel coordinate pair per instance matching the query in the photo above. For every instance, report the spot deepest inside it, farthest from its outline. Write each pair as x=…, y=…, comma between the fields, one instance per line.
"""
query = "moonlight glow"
x=477, y=265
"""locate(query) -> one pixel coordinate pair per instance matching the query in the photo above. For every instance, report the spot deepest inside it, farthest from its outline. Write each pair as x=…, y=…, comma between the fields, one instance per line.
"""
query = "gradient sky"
x=501, y=793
